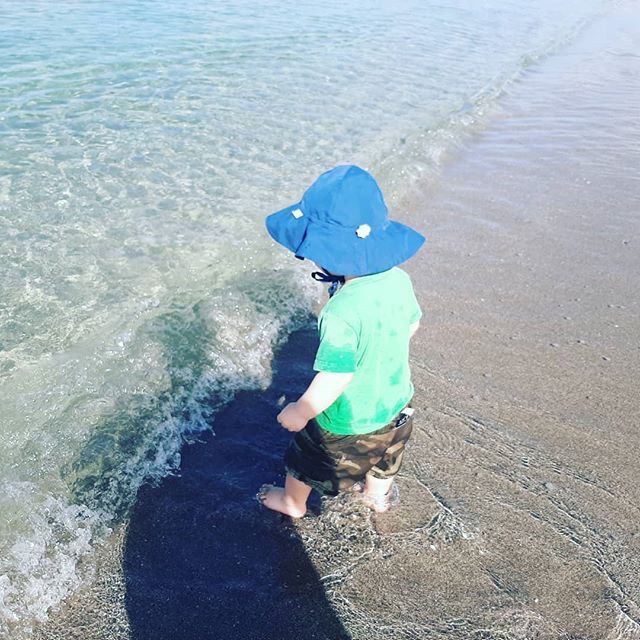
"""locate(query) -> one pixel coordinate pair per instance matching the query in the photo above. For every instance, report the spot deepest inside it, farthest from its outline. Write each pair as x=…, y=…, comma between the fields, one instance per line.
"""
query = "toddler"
x=353, y=421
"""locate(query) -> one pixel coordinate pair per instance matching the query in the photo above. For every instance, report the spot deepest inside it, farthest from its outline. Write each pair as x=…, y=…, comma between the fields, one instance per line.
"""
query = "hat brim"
x=344, y=253
x=286, y=229
x=340, y=251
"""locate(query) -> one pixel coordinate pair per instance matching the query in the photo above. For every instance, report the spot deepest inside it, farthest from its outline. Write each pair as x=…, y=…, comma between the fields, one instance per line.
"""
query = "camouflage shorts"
x=331, y=463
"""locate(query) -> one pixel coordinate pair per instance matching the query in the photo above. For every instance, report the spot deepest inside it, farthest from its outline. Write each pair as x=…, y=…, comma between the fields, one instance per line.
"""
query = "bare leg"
x=378, y=493
x=292, y=500
x=377, y=487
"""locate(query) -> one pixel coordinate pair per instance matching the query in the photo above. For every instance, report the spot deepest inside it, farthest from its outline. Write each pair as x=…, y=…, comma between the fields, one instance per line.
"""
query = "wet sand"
x=520, y=512
x=521, y=508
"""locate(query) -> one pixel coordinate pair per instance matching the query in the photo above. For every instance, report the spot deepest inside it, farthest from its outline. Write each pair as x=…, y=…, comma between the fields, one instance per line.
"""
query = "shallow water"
x=141, y=145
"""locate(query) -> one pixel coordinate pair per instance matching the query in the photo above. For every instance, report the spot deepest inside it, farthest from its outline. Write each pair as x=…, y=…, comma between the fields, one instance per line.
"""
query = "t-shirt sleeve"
x=338, y=345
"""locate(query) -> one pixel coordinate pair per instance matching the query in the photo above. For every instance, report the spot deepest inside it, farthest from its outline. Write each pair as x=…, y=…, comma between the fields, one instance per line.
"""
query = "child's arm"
x=320, y=394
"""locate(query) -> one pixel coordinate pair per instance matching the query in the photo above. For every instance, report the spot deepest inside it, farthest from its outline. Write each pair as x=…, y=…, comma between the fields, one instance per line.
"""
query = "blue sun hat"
x=341, y=224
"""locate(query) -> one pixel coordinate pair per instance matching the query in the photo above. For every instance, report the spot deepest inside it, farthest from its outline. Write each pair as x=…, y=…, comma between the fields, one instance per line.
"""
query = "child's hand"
x=291, y=418
x=322, y=392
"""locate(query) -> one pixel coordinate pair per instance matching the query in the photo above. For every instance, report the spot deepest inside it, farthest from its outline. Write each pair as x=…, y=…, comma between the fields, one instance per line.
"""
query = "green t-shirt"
x=364, y=329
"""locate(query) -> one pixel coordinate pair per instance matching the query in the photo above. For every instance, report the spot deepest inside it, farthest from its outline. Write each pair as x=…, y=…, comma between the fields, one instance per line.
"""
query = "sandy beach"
x=520, y=506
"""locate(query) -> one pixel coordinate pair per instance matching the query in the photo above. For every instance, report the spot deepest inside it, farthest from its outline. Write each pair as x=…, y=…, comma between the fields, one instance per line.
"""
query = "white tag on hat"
x=297, y=213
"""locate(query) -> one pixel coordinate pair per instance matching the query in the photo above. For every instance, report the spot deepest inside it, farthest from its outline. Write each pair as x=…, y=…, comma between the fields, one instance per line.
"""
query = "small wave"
x=211, y=349
x=43, y=563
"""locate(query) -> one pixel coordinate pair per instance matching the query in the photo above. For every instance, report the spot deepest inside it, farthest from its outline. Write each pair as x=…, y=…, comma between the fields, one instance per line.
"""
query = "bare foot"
x=276, y=499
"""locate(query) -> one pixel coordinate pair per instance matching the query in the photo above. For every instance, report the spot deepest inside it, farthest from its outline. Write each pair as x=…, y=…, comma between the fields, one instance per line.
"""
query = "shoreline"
x=518, y=510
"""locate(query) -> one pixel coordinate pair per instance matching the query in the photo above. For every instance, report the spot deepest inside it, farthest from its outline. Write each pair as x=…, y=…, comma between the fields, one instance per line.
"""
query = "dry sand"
x=520, y=512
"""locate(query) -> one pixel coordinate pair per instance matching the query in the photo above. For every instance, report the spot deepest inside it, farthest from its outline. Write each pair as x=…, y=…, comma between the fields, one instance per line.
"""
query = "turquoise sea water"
x=141, y=145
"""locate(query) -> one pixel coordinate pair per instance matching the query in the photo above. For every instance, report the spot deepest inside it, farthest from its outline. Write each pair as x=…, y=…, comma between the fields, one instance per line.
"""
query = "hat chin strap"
x=325, y=276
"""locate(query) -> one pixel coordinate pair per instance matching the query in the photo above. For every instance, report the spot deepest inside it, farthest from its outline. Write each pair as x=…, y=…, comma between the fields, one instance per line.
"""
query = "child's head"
x=341, y=223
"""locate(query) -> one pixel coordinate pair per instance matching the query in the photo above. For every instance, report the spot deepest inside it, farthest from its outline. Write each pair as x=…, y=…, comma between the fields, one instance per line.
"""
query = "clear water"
x=141, y=144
